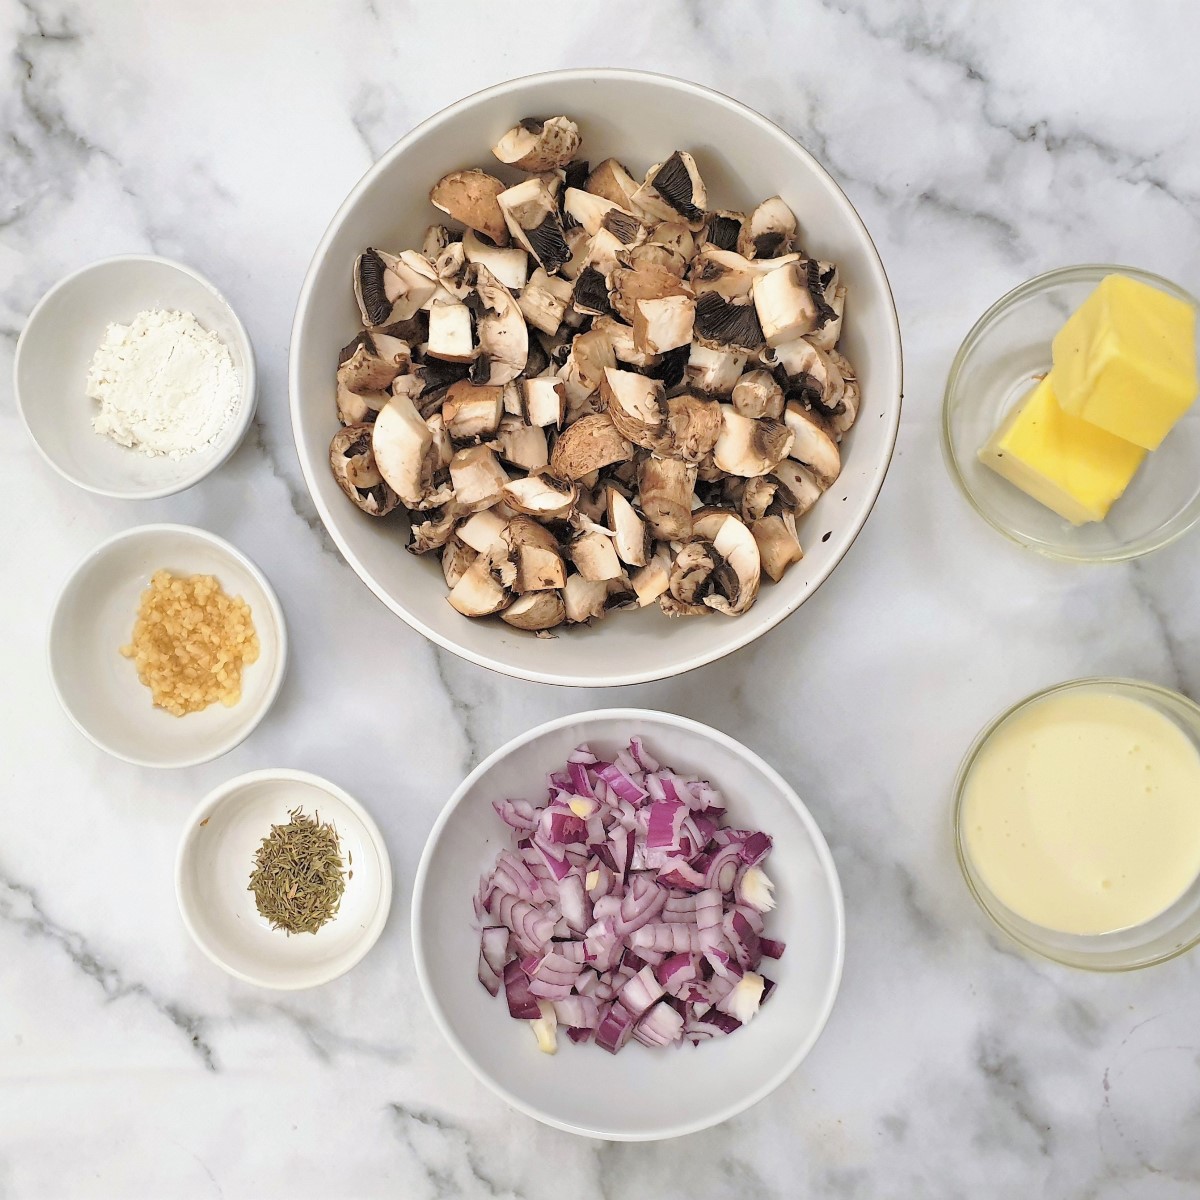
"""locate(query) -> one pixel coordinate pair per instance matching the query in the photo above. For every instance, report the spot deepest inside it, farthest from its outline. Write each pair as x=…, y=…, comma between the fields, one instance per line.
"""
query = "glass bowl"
x=999, y=362
x=1170, y=933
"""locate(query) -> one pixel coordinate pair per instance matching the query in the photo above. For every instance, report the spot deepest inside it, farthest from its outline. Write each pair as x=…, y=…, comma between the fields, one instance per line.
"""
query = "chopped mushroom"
x=534, y=145
x=593, y=393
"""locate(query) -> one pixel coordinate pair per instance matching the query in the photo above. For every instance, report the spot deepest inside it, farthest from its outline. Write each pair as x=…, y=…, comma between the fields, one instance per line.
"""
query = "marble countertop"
x=982, y=144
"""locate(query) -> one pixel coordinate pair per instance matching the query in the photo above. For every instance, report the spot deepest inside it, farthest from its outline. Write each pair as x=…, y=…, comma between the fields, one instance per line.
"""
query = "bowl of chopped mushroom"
x=595, y=377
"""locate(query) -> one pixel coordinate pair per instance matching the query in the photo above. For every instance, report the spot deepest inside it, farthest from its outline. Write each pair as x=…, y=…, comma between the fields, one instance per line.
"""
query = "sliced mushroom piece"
x=722, y=323
x=724, y=228
x=636, y=404
x=645, y=283
x=482, y=529
x=735, y=585
x=532, y=216
x=769, y=231
x=676, y=608
x=799, y=489
x=813, y=375
x=371, y=361
x=401, y=442
x=693, y=425
x=535, y=145
x=619, y=337
x=665, y=487
x=471, y=197
x=674, y=185
x=748, y=447
x=591, y=353
x=536, y=611
x=826, y=336
x=590, y=210
x=536, y=560
x=843, y=420
x=479, y=593
x=631, y=538
x=590, y=294
x=520, y=444
x=391, y=287
x=584, y=599
x=470, y=411
x=478, y=478
x=457, y=556
x=786, y=308
x=579, y=243
x=654, y=254
x=353, y=463
x=544, y=401
x=450, y=333
x=590, y=443
x=714, y=369
x=778, y=545
x=541, y=494
x=436, y=240
x=434, y=529
x=693, y=570
x=450, y=265
x=355, y=408
x=509, y=264
x=663, y=324
x=612, y=181
x=501, y=330
x=595, y=556
x=544, y=300
x=758, y=394
x=722, y=271
x=813, y=443
x=652, y=580
x=673, y=235
x=442, y=450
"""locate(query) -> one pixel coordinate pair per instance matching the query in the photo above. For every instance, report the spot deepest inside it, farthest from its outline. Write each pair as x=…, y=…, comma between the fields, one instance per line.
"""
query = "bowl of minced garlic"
x=190, y=643
x=164, y=622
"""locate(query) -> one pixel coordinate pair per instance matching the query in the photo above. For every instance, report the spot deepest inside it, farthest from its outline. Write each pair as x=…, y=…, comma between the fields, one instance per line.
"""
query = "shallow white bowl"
x=638, y=1094
x=743, y=158
x=94, y=616
x=56, y=347
x=212, y=875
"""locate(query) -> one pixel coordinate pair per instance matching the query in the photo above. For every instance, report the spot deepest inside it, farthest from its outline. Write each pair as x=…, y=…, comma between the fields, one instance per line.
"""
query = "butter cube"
x=1071, y=466
x=1126, y=360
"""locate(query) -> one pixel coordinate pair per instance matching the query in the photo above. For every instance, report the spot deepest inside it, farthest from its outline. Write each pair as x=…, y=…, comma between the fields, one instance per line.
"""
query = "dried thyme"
x=297, y=879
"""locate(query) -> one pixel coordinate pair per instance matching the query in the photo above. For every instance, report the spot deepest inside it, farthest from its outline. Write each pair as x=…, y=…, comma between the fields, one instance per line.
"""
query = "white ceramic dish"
x=216, y=857
x=94, y=617
x=639, y=1094
x=56, y=347
x=743, y=158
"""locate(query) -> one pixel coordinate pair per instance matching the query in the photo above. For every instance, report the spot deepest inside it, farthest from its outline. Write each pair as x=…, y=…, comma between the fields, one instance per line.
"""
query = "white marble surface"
x=982, y=143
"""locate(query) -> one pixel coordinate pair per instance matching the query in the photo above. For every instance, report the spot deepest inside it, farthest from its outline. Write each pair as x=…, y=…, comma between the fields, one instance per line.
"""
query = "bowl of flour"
x=135, y=377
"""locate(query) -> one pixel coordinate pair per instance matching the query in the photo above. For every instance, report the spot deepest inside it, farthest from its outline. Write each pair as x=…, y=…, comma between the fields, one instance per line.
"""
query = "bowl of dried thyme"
x=283, y=879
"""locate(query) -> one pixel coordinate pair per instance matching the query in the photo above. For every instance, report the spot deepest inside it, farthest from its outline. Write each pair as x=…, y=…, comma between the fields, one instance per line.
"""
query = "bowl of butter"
x=1069, y=418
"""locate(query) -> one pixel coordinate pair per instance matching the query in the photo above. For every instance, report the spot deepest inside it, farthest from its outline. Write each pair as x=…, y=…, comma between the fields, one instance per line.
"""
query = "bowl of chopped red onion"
x=628, y=925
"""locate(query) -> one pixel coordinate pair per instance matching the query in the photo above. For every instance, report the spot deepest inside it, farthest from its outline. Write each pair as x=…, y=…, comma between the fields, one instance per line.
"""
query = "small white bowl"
x=638, y=1094
x=216, y=858
x=94, y=617
x=55, y=350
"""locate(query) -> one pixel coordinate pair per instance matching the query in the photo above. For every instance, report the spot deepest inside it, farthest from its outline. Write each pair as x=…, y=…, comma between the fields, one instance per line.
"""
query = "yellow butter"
x=1126, y=360
x=1069, y=465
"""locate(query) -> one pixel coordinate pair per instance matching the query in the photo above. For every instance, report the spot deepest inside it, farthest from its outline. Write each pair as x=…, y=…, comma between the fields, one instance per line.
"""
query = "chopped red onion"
x=625, y=909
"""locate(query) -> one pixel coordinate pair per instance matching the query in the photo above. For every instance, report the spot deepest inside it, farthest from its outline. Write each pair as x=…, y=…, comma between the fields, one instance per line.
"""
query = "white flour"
x=166, y=385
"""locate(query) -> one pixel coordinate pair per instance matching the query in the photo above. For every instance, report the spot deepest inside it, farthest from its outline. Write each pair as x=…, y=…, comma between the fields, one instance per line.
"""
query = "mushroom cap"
x=758, y=394
x=778, y=545
x=371, y=361
x=735, y=589
x=471, y=411
x=509, y=264
x=535, y=611
x=470, y=198
x=813, y=443
x=584, y=599
x=748, y=447
x=541, y=494
x=501, y=331
x=612, y=181
x=590, y=443
x=665, y=487
x=535, y=145
x=433, y=530
x=769, y=230
x=354, y=468
x=479, y=593
x=457, y=556
x=646, y=282
x=537, y=564
x=595, y=556
x=631, y=538
x=636, y=404
x=401, y=440
x=479, y=479
x=532, y=215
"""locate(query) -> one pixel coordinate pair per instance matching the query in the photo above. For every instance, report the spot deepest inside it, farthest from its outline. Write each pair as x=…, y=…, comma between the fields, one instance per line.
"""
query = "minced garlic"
x=190, y=643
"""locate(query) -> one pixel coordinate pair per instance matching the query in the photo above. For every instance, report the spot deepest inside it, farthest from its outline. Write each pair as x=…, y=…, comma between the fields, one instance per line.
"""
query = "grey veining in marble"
x=982, y=143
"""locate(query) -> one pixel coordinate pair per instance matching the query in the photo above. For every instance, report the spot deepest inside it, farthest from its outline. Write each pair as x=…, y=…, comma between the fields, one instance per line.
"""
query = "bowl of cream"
x=135, y=377
x=1077, y=823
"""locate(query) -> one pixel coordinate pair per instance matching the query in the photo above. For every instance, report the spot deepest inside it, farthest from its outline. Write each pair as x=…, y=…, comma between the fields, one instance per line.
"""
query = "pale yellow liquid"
x=1082, y=813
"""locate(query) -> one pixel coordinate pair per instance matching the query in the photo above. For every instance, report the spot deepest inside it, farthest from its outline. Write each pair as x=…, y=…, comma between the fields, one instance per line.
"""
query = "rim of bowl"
x=1118, y=683
x=1079, y=271
x=233, y=433
x=223, y=792
x=643, y=716
x=276, y=610
x=740, y=640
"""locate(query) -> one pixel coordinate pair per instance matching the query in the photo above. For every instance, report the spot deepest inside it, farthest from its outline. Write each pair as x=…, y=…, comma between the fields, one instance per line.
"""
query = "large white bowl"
x=638, y=118
x=638, y=1094
x=55, y=350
